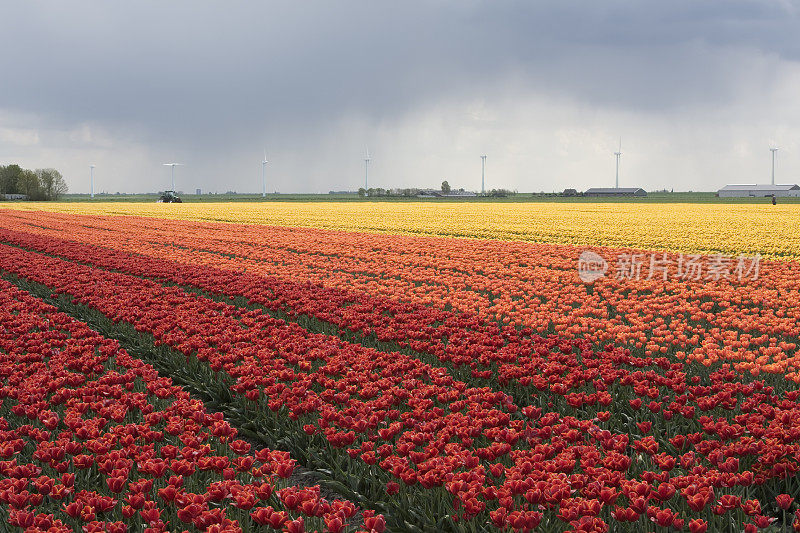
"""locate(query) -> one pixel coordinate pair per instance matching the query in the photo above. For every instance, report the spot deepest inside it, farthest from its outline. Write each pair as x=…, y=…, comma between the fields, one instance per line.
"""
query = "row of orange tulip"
x=750, y=322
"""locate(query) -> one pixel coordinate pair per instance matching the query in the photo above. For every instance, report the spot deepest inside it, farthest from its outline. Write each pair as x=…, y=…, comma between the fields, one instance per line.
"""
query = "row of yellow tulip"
x=731, y=229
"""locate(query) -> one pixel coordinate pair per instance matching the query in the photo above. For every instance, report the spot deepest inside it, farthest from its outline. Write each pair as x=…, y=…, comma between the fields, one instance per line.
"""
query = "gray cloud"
x=213, y=82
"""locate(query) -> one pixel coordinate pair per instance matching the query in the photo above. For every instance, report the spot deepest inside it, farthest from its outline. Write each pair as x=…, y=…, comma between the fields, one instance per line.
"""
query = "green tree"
x=28, y=185
x=445, y=187
x=9, y=179
x=51, y=183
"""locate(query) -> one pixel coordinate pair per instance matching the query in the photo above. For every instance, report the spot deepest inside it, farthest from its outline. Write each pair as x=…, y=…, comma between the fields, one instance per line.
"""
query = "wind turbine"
x=367, y=159
x=773, y=150
x=91, y=181
x=173, y=165
x=483, y=173
x=618, y=153
x=263, y=178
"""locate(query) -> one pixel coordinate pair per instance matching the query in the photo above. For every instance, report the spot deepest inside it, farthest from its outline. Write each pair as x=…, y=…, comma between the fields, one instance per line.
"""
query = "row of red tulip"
x=561, y=451
x=368, y=398
x=524, y=366
x=94, y=439
x=455, y=338
x=752, y=322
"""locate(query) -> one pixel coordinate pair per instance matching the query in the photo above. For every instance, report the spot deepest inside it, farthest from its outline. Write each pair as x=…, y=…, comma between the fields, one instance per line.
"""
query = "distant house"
x=570, y=192
x=434, y=193
x=615, y=191
x=15, y=196
x=758, y=191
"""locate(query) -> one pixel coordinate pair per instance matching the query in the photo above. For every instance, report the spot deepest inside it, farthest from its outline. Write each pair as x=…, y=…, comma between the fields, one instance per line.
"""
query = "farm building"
x=758, y=191
x=616, y=191
x=434, y=193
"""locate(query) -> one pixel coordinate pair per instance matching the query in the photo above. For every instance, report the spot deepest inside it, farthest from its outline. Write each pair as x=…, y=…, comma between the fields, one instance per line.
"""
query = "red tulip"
x=698, y=525
x=784, y=501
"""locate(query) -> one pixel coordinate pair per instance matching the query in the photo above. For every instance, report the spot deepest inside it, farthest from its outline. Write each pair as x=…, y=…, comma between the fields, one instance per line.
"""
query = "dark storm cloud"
x=176, y=65
x=198, y=74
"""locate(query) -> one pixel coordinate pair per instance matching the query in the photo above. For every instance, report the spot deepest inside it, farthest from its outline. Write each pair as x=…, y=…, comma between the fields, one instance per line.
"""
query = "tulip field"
x=399, y=367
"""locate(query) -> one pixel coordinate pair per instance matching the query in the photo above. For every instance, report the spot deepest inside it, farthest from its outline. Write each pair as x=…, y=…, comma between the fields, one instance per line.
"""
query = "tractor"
x=169, y=197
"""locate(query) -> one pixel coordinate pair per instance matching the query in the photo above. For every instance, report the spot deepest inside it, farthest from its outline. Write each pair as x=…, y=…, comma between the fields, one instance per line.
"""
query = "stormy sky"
x=698, y=92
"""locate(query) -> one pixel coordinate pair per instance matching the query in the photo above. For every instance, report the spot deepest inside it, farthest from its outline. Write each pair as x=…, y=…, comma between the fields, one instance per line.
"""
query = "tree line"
x=414, y=192
x=39, y=184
